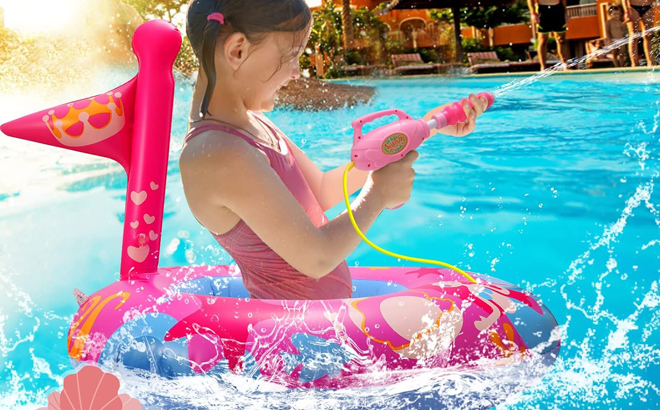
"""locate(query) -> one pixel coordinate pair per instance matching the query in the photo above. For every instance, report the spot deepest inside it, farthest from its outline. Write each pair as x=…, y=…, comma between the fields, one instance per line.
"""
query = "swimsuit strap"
x=227, y=128
x=206, y=127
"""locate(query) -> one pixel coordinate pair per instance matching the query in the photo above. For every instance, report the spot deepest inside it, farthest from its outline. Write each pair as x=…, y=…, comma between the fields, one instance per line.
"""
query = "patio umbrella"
x=454, y=5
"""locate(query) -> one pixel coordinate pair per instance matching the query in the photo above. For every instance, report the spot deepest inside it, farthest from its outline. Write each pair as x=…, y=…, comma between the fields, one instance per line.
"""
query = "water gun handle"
x=357, y=124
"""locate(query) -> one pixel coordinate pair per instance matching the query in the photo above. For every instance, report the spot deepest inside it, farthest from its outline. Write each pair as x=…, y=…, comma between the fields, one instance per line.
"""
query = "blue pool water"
x=554, y=191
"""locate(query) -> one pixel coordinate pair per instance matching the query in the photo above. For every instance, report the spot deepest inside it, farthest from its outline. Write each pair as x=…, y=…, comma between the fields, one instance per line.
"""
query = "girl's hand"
x=461, y=129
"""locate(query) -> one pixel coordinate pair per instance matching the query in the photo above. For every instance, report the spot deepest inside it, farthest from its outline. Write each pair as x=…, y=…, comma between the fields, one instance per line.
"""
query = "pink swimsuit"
x=265, y=274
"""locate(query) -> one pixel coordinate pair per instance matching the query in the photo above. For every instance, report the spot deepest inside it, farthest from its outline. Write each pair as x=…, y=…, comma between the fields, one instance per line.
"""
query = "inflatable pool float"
x=191, y=320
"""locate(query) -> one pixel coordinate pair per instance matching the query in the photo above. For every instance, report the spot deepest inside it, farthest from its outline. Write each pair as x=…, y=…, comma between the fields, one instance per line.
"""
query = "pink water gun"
x=393, y=141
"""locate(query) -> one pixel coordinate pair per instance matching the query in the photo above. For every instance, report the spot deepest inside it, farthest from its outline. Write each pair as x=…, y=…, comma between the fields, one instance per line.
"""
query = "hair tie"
x=217, y=17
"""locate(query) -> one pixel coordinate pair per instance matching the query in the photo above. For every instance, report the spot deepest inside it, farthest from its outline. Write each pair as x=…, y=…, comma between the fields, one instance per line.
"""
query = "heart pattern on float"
x=138, y=254
x=153, y=185
x=153, y=236
x=149, y=219
x=135, y=224
x=138, y=197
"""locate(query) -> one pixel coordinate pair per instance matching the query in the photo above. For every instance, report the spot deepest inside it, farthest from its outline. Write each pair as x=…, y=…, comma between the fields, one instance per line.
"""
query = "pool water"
x=553, y=191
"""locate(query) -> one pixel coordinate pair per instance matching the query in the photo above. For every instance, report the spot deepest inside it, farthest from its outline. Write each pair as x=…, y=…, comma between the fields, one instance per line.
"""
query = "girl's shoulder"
x=212, y=146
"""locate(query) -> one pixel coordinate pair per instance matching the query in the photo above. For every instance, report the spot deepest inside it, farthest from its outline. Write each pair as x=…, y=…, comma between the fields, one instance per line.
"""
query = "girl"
x=256, y=192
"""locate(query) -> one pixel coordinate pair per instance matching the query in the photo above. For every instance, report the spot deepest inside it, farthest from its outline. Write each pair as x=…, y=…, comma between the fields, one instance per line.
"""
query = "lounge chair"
x=413, y=64
x=487, y=62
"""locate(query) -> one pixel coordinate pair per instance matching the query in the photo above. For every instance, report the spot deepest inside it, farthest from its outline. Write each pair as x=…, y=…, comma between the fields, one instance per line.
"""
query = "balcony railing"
x=584, y=10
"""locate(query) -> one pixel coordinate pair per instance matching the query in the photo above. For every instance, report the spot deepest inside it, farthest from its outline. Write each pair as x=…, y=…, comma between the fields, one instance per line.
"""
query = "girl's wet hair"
x=254, y=18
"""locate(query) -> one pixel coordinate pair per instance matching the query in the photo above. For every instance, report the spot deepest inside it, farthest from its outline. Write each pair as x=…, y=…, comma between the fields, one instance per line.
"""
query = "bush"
x=472, y=45
x=353, y=57
x=504, y=53
x=429, y=55
x=333, y=72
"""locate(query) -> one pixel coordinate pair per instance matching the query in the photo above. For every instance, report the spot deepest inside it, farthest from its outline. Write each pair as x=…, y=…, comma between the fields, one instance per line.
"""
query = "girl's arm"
x=332, y=188
x=327, y=186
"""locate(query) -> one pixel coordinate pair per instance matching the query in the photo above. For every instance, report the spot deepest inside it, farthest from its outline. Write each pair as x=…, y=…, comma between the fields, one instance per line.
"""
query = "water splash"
x=614, y=352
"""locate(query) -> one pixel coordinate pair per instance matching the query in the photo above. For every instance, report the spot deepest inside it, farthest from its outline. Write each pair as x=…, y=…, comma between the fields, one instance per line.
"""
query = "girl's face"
x=270, y=66
x=616, y=14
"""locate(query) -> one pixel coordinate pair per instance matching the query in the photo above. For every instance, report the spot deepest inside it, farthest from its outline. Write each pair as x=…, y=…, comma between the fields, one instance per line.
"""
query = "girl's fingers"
x=478, y=107
x=484, y=102
x=469, y=111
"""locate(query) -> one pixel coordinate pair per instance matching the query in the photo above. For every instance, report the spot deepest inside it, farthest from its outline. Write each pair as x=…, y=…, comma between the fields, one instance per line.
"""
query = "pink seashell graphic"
x=91, y=389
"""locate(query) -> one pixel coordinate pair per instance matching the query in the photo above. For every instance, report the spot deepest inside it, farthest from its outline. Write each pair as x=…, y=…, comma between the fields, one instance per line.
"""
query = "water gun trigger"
x=358, y=123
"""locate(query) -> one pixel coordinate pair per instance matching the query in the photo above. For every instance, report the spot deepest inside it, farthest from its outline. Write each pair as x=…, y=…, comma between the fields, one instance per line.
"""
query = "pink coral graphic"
x=91, y=389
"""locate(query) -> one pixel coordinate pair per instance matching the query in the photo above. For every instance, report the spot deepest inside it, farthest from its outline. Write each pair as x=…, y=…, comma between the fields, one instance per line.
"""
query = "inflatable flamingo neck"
x=156, y=44
x=130, y=124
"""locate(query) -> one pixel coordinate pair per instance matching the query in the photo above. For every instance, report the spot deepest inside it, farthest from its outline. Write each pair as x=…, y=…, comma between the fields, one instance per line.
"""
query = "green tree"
x=185, y=62
x=158, y=9
x=347, y=22
x=327, y=34
x=482, y=18
x=485, y=17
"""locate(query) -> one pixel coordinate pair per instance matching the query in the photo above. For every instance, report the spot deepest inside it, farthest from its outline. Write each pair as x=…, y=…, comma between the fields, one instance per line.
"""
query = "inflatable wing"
x=130, y=124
